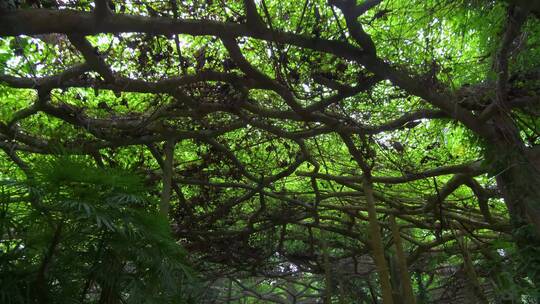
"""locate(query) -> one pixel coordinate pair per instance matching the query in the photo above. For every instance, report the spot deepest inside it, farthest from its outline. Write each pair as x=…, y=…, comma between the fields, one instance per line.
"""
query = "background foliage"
x=266, y=121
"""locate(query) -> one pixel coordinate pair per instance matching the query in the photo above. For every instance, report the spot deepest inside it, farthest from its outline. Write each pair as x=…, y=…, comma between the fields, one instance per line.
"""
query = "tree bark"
x=168, y=153
x=474, y=285
x=327, y=274
x=517, y=172
x=377, y=245
x=41, y=282
x=408, y=295
x=519, y=182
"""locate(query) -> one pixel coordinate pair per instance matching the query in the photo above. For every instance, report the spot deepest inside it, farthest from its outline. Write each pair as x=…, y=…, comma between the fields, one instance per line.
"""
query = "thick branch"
x=168, y=161
x=91, y=56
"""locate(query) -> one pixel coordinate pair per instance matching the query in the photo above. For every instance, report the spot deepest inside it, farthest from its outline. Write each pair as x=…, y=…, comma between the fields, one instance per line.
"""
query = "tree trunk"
x=408, y=295
x=475, y=288
x=377, y=244
x=110, y=293
x=168, y=154
x=327, y=273
x=519, y=182
x=41, y=283
x=520, y=186
x=517, y=171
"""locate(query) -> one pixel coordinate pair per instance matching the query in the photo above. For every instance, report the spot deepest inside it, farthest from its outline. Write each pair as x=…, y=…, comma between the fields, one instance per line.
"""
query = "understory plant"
x=74, y=233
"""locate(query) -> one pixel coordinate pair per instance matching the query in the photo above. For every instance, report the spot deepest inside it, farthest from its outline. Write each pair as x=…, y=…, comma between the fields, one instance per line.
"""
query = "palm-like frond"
x=89, y=232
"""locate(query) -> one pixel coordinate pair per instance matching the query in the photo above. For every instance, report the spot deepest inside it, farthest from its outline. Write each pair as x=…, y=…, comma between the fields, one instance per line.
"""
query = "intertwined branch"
x=210, y=107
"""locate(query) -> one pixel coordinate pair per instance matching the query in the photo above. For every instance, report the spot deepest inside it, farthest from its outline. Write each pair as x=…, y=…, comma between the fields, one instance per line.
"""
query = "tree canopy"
x=264, y=151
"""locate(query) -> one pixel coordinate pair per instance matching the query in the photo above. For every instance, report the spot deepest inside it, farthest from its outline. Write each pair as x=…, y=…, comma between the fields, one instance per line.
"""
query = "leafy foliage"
x=261, y=126
x=75, y=233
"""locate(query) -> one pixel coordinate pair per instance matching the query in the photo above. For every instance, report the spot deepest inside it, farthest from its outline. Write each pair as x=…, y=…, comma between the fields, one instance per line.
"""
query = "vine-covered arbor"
x=301, y=151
